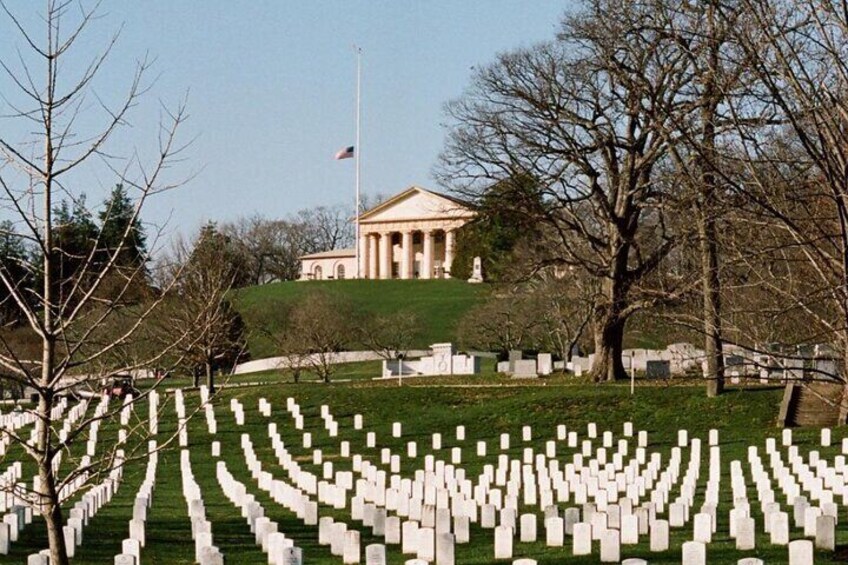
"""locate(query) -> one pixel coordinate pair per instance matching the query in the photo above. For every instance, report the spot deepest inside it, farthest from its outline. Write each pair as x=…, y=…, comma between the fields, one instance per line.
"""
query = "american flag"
x=346, y=153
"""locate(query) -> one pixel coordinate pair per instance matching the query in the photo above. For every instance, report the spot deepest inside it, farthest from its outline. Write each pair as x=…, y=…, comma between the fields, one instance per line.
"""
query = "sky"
x=270, y=89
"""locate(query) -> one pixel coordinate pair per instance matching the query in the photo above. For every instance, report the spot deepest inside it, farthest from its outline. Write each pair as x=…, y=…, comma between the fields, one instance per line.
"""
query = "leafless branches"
x=57, y=125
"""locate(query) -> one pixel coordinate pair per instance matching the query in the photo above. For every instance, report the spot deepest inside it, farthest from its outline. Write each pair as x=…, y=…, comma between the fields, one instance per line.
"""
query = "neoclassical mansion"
x=412, y=235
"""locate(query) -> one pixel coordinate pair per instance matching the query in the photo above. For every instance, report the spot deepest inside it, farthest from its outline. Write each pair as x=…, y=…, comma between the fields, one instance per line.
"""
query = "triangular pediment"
x=416, y=203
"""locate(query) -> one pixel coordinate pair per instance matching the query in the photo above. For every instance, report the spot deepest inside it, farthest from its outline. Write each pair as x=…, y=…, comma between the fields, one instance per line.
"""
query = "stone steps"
x=814, y=404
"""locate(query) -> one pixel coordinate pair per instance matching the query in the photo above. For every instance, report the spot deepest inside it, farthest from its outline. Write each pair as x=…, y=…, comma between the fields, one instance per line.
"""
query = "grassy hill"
x=438, y=304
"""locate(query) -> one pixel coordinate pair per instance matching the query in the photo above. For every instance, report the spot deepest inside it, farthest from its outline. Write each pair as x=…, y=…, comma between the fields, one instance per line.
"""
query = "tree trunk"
x=52, y=512
x=48, y=497
x=711, y=286
x=609, y=339
x=710, y=281
x=608, y=318
x=210, y=377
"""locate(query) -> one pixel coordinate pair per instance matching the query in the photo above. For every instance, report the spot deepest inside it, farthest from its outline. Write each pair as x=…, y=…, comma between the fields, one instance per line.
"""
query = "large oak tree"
x=589, y=117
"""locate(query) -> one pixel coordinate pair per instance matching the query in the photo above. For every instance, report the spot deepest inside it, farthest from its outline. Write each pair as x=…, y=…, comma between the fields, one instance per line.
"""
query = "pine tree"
x=121, y=231
x=74, y=237
x=14, y=268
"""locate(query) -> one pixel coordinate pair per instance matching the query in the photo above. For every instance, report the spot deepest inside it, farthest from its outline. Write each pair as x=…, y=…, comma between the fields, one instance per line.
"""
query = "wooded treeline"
x=675, y=158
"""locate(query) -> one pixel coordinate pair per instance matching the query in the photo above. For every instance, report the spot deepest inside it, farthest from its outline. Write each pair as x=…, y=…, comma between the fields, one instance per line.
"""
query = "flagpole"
x=357, y=151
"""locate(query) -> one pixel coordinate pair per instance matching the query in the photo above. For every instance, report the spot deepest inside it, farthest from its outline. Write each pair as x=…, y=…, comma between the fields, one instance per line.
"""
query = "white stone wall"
x=272, y=363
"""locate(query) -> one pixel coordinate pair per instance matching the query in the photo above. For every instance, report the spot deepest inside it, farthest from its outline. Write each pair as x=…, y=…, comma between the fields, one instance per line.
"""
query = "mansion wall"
x=406, y=252
x=326, y=266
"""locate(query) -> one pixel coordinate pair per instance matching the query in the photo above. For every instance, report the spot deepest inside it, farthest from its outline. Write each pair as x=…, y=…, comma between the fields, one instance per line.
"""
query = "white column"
x=427, y=267
x=386, y=255
x=450, y=242
x=406, y=256
x=363, y=255
x=372, y=255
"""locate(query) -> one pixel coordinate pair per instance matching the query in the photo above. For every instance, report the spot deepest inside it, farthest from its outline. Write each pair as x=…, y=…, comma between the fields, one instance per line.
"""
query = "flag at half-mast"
x=346, y=153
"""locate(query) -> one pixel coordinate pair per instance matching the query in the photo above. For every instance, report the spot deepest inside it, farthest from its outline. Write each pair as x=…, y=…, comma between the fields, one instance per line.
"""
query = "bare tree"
x=588, y=117
x=319, y=326
x=326, y=228
x=507, y=320
x=44, y=145
x=792, y=172
x=389, y=335
x=272, y=248
x=564, y=308
x=199, y=306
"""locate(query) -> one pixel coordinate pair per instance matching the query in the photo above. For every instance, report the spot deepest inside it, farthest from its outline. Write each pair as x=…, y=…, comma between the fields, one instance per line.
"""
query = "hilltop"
x=437, y=304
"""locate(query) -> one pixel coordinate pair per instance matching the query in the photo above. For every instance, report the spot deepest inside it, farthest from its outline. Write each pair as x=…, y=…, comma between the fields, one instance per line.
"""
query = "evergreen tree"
x=15, y=270
x=121, y=229
x=74, y=237
x=208, y=268
x=497, y=229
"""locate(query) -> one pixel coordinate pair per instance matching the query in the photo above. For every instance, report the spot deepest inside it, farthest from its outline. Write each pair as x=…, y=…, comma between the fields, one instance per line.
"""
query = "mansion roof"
x=416, y=203
x=331, y=254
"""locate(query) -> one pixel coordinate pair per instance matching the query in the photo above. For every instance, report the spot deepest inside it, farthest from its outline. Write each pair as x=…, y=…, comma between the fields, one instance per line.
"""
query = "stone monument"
x=477, y=271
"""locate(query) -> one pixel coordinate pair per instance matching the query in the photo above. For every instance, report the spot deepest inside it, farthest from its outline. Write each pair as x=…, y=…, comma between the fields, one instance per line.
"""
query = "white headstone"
x=527, y=528
x=426, y=544
x=659, y=535
x=554, y=532
x=445, y=549
x=779, y=528
x=610, y=546
x=694, y=553
x=826, y=533
x=351, y=551
x=801, y=552
x=746, y=534
x=476, y=271
x=629, y=529
x=582, y=539
x=503, y=542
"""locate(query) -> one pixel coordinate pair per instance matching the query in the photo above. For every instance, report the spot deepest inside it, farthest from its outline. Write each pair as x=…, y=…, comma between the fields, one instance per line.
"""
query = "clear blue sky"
x=272, y=91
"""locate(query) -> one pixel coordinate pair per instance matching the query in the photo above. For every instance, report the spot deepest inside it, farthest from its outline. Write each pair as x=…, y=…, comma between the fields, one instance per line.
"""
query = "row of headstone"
x=279, y=549
x=211, y=422
x=153, y=412
x=16, y=421
x=201, y=529
x=343, y=541
x=514, y=473
x=396, y=432
x=12, y=491
x=131, y=546
x=206, y=553
x=74, y=415
x=518, y=367
x=237, y=409
x=90, y=504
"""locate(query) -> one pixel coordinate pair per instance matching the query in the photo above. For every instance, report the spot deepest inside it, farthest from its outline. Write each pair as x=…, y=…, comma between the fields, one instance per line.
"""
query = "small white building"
x=329, y=265
x=411, y=235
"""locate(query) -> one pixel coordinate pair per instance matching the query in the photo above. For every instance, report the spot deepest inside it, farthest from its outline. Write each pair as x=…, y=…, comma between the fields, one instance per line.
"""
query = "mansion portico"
x=411, y=235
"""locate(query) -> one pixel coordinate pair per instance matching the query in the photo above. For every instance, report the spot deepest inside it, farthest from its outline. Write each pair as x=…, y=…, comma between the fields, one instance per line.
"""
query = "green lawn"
x=486, y=405
x=437, y=304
